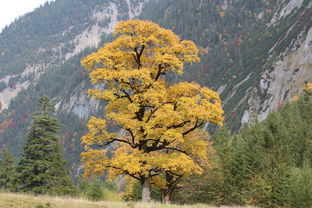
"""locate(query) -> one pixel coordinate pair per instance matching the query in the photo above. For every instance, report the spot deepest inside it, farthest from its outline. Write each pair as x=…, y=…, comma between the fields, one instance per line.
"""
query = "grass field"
x=9, y=200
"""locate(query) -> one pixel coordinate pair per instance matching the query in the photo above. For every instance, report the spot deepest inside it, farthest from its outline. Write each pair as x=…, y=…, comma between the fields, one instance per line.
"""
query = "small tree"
x=41, y=169
x=92, y=189
x=158, y=119
x=7, y=170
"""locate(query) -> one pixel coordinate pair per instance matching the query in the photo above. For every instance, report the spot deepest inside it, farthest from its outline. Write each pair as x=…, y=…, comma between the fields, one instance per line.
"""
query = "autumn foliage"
x=308, y=87
x=160, y=141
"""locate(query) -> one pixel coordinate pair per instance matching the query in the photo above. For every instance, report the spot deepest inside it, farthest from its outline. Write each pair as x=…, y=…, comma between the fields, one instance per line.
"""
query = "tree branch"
x=193, y=128
x=179, y=125
x=114, y=140
x=158, y=72
x=156, y=109
x=124, y=171
x=175, y=174
x=133, y=138
x=138, y=55
x=176, y=149
x=128, y=96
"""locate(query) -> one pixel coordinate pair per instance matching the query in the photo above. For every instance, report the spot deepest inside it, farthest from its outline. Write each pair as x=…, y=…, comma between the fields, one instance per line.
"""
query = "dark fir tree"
x=42, y=168
x=7, y=169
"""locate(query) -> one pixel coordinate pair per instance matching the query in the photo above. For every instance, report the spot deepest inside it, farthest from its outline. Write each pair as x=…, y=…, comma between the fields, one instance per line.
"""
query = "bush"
x=94, y=189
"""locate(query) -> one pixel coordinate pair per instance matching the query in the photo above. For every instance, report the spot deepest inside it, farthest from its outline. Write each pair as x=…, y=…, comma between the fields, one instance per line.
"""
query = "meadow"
x=10, y=200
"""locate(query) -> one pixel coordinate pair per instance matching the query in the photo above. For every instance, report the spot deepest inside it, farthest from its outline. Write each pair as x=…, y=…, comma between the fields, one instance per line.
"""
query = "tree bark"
x=166, y=197
x=146, y=193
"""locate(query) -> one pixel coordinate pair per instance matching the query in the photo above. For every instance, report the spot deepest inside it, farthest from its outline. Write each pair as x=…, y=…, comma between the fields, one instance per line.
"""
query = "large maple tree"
x=160, y=121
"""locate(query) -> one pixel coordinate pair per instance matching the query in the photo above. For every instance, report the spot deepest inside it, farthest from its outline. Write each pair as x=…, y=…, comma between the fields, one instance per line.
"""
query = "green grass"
x=9, y=200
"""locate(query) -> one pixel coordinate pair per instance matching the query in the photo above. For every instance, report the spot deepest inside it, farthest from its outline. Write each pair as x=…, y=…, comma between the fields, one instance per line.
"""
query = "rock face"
x=285, y=10
x=285, y=80
x=267, y=83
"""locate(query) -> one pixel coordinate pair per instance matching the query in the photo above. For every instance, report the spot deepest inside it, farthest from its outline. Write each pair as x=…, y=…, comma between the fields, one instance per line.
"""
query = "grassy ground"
x=8, y=200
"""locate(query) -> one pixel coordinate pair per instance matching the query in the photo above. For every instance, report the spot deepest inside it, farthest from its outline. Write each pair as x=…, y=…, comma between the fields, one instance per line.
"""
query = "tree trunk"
x=146, y=193
x=166, y=197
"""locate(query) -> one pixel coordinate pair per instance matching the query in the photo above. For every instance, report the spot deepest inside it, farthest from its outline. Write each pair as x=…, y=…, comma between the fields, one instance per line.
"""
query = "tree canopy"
x=159, y=121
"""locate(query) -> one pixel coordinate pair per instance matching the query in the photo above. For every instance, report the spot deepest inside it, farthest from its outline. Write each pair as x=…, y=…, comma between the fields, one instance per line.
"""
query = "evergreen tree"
x=217, y=184
x=300, y=188
x=244, y=179
x=42, y=168
x=7, y=169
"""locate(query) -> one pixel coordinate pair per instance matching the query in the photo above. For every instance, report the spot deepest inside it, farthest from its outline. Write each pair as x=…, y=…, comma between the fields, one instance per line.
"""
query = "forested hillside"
x=267, y=164
x=256, y=54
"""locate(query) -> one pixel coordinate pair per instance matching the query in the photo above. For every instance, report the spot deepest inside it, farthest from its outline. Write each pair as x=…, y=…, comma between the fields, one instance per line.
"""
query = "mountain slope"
x=250, y=45
x=256, y=54
x=54, y=33
x=40, y=54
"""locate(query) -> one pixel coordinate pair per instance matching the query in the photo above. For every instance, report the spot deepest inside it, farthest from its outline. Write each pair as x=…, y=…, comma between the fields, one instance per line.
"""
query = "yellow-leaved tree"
x=161, y=142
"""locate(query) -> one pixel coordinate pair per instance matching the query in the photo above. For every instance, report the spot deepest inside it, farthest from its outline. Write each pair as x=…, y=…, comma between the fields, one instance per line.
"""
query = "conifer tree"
x=42, y=168
x=217, y=186
x=245, y=168
x=7, y=169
